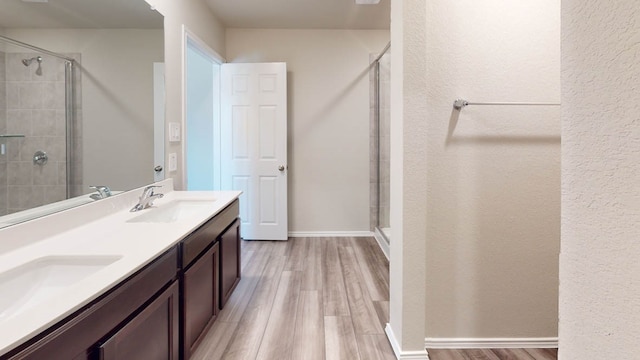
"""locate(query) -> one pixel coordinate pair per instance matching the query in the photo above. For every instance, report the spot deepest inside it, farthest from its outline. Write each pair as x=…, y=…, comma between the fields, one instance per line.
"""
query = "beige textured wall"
x=328, y=125
x=408, y=171
x=599, y=267
x=493, y=172
x=481, y=187
x=197, y=17
x=116, y=99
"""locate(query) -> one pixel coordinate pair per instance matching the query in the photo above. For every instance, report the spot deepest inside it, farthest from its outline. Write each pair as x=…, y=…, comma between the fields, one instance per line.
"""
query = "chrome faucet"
x=103, y=192
x=147, y=197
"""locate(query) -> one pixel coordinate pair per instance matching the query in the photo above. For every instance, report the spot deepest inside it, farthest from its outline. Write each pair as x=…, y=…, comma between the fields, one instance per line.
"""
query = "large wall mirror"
x=109, y=137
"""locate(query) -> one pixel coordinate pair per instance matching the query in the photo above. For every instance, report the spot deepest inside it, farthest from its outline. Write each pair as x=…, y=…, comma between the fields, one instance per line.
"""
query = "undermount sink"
x=174, y=211
x=42, y=278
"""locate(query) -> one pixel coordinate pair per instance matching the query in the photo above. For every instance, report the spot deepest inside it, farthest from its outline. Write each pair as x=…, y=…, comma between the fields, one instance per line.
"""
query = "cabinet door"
x=200, y=299
x=229, y=261
x=152, y=334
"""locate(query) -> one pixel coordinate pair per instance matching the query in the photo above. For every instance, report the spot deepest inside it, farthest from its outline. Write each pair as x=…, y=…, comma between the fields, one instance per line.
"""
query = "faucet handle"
x=147, y=197
x=151, y=187
x=148, y=191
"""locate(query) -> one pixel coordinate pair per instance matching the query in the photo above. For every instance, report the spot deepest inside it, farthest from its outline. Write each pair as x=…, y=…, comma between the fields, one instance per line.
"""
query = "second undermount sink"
x=38, y=280
x=174, y=211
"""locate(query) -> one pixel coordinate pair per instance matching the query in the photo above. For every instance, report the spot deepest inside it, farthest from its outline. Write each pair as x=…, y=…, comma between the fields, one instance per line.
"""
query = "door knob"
x=281, y=168
x=157, y=168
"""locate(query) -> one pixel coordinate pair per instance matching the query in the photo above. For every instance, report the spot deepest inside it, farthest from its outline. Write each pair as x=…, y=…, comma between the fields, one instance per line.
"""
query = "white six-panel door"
x=253, y=151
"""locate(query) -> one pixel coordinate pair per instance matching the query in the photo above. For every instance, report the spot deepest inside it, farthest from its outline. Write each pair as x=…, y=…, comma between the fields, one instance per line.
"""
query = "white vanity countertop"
x=107, y=234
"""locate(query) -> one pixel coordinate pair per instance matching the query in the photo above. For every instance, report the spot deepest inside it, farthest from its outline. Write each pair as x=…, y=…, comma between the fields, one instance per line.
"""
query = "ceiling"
x=136, y=14
x=301, y=14
x=82, y=14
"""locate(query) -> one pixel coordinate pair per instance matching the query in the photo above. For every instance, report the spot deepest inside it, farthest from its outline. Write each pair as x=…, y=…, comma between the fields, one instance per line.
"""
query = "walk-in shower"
x=37, y=117
x=380, y=144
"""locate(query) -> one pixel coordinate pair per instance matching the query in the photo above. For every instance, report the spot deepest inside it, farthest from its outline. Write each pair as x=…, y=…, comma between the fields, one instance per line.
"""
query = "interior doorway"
x=235, y=135
x=254, y=146
x=202, y=113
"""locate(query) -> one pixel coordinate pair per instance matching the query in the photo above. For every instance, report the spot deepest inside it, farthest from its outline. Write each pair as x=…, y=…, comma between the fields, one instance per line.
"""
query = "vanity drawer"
x=207, y=234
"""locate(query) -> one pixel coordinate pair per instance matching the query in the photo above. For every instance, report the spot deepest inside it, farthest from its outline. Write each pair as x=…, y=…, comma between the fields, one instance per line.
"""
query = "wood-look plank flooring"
x=317, y=298
x=306, y=298
x=493, y=354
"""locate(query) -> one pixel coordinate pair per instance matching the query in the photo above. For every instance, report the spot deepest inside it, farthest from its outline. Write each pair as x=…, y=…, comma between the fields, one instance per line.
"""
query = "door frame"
x=189, y=37
x=159, y=121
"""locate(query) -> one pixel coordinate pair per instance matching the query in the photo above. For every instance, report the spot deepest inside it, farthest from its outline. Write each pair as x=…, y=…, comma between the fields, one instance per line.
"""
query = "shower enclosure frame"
x=379, y=232
x=69, y=104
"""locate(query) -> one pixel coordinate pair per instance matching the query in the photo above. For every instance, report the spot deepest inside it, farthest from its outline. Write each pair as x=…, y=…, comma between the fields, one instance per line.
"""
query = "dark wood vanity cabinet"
x=118, y=322
x=152, y=334
x=230, y=263
x=203, y=264
x=200, y=299
x=160, y=312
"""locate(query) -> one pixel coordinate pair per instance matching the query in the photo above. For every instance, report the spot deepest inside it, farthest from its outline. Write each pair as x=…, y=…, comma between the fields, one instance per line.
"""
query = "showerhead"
x=27, y=62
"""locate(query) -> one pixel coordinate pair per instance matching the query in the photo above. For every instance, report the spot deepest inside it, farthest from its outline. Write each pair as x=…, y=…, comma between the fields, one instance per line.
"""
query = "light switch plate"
x=173, y=162
x=174, y=132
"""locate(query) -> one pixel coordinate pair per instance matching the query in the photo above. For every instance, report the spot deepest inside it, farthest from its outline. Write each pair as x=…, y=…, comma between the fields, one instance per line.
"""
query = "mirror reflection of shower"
x=28, y=62
x=37, y=112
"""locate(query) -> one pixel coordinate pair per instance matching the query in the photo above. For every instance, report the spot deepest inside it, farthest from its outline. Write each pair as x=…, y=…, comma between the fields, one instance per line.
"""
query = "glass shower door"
x=380, y=144
x=384, y=144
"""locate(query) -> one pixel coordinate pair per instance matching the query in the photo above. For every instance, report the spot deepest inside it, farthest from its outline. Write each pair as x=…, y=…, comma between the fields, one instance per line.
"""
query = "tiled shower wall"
x=380, y=165
x=34, y=107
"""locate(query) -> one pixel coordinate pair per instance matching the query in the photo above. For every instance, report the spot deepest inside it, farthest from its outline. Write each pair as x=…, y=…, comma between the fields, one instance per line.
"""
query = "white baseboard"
x=330, y=234
x=384, y=246
x=490, y=343
x=403, y=355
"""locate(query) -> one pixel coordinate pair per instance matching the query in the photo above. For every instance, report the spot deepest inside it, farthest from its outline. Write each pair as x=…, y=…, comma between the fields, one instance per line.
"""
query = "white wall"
x=196, y=16
x=116, y=71
x=599, y=267
x=408, y=171
x=480, y=187
x=328, y=97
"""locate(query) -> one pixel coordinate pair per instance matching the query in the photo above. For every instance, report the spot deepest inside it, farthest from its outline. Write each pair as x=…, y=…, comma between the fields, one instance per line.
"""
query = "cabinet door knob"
x=281, y=168
x=157, y=168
